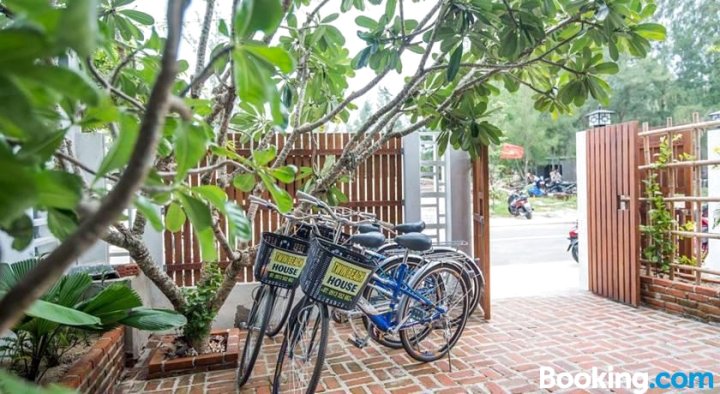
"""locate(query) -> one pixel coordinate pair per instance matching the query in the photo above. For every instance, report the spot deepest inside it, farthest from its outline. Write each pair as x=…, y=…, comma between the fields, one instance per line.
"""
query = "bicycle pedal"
x=358, y=343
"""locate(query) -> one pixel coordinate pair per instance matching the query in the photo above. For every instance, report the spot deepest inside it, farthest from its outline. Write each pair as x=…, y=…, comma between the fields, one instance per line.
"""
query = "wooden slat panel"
x=481, y=222
x=375, y=187
x=613, y=232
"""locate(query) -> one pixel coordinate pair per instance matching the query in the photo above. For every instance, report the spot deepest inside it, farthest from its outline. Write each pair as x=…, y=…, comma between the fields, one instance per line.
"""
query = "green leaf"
x=285, y=174
x=253, y=80
x=281, y=197
x=17, y=117
x=21, y=229
x=263, y=157
x=244, y=182
x=605, y=68
x=174, y=218
x=78, y=27
x=274, y=56
x=190, y=146
x=64, y=81
x=213, y=194
x=149, y=319
x=200, y=218
x=150, y=211
x=454, y=64
x=21, y=45
x=651, y=31
x=58, y=189
x=139, y=17
x=330, y=18
x=112, y=303
x=390, y=8
x=18, y=191
x=122, y=147
x=238, y=223
x=61, y=314
x=257, y=15
x=12, y=384
x=366, y=22
x=61, y=223
x=361, y=59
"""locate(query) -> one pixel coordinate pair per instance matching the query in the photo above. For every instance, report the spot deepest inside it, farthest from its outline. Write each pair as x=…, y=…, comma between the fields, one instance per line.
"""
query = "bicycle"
x=279, y=261
x=434, y=298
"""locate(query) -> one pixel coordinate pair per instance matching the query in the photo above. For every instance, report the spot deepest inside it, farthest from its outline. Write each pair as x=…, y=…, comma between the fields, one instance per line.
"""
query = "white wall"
x=581, y=169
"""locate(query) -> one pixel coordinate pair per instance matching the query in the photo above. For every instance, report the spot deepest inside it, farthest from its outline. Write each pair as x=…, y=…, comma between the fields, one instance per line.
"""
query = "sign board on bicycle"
x=343, y=281
x=285, y=266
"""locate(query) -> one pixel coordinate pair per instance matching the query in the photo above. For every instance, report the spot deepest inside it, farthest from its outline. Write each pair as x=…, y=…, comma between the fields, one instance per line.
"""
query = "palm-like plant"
x=53, y=322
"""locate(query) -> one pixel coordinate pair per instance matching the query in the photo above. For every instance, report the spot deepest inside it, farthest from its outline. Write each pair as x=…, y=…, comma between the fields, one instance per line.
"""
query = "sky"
x=393, y=82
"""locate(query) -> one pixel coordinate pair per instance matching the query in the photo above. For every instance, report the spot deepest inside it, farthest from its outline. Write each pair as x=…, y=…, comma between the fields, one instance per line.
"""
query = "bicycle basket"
x=336, y=275
x=280, y=260
x=307, y=232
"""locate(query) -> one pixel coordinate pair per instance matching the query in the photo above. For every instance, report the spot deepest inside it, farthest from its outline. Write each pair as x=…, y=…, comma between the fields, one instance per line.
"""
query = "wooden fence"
x=376, y=186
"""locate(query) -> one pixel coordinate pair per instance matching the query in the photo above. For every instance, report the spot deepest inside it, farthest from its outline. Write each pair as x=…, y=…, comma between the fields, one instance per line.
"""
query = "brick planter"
x=159, y=367
x=685, y=299
x=99, y=370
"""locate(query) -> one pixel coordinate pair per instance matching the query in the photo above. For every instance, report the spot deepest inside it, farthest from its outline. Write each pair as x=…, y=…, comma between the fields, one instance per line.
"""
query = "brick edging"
x=158, y=367
x=680, y=298
x=101, y=367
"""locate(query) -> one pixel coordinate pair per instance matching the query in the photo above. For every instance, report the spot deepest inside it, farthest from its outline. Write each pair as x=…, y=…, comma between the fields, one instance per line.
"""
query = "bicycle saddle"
x=368, y=240
x=414, y=241
x=368, y=228
x=404, y=228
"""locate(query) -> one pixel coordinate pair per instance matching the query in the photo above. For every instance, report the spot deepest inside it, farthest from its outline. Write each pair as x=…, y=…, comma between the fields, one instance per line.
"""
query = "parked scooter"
x=518, y=204
x=561, y=188
x=573, y=238
x=537, y=188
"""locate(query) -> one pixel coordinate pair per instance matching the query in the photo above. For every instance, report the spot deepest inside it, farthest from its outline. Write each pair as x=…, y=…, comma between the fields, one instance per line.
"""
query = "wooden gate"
x=613, y=212
x=481, y=221
x=376, y=186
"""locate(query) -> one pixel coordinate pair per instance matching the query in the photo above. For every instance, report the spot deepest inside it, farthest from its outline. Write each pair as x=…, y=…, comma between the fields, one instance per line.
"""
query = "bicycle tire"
x=299, y=320
x=256, y=326
x=404, y=312
x=275, y=325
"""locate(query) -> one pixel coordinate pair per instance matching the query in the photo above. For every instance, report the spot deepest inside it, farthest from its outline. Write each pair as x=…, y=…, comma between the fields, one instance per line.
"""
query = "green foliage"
x=12, y=384
x=53, y=324
x=199, y=315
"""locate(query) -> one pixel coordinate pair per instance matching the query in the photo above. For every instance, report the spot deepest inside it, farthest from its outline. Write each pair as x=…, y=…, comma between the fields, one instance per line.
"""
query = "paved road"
x=529, y=258
x=514, y=241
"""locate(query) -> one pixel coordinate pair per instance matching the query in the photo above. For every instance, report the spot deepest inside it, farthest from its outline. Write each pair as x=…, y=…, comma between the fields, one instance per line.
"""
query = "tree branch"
x=36, y=282
x=202, y=46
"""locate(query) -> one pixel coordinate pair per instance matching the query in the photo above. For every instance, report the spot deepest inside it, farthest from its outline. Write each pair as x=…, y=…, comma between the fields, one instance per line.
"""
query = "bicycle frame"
x=396, y=288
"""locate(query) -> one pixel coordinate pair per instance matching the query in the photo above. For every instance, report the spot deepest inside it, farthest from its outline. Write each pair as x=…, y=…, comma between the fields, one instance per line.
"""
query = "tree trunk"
x=201, y=343
x=141, y=255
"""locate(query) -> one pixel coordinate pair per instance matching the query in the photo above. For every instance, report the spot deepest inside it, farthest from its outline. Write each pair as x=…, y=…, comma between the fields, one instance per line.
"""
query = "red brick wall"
x=98, y=371
x=696, y=301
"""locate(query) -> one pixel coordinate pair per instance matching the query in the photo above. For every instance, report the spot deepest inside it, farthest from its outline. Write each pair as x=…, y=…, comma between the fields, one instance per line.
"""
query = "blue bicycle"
x=427, y=308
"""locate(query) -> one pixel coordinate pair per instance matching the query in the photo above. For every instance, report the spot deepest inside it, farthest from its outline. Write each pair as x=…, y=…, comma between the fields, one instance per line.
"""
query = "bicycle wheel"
x=379, y=300
x=280, y=311
x=256, y=326
x=301, y=356
x=428, y=335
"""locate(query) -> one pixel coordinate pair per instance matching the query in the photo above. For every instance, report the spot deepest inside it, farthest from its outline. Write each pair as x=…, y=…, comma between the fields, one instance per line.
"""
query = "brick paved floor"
x=569, y=333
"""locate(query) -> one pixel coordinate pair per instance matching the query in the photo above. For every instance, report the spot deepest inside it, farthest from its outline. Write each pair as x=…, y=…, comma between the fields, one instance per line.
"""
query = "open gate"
x=613, y=188
x=481, y=221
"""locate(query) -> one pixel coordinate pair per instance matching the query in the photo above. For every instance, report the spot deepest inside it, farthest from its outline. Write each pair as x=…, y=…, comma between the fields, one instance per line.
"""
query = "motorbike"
x=518, y=204
x=573, y=247
x=537, y=188
x=561, y=188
